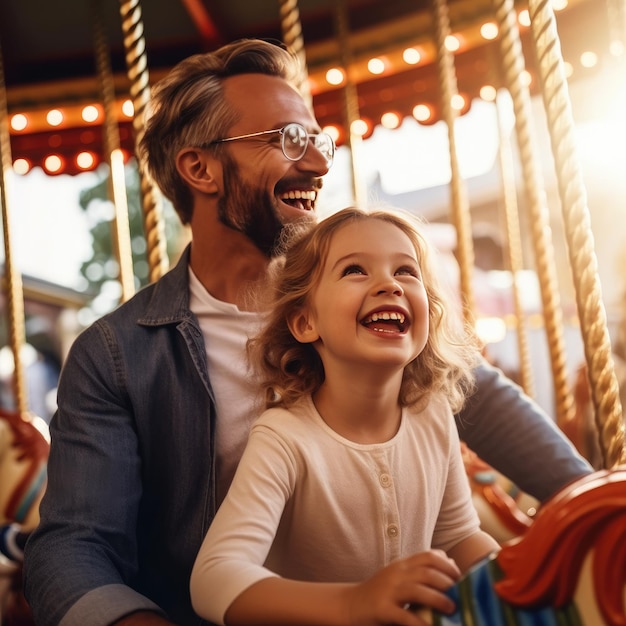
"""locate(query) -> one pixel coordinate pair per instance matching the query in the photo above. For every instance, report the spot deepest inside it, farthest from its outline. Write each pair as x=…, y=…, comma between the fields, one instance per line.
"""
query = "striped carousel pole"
x=113, y=156
x=514, y=244
x=291, y=28
x=350, y=104
x=579, y=236
x=137, y=70
x=460, y=202
x=13, y=287
x=512, y=63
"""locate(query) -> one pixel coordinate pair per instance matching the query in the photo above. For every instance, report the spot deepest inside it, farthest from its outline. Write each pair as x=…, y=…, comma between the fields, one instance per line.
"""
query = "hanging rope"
x=292, y=37
x=616, y=10
x=605, y=390
x=513, y=69
x=113, y=156
x=350, y=103
x=137, y=69
x=13, y=281
x=514, y=246
x=460, y=202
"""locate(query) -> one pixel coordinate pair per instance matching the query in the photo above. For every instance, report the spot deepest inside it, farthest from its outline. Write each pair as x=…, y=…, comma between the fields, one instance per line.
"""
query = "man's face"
x=262, y=189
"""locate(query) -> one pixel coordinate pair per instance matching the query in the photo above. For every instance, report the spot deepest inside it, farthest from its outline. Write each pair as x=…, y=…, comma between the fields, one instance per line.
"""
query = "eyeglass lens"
x=295, y=140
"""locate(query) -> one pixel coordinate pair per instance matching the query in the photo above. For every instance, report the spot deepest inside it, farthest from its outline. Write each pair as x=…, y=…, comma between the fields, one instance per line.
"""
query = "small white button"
x=385, y=480
x=392, y=530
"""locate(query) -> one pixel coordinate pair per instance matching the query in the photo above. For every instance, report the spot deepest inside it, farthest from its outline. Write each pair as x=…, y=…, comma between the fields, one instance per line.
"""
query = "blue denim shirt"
x=131, y=475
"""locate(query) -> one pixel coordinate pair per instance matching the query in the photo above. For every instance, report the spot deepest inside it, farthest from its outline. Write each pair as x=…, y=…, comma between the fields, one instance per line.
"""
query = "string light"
x=335, y=76
x=457, y=102
x=85, y=160
x=333, y=131
x=422, y=112
x=21, y=166
x=489, y=31
x=524, y=18
x=588, y=59
x=53, y=163
x=390, y=120
x=19, y=122
x=54, y=117
x=616, y=48
x=488, y=93
x=452, y=43
x=411, y=56
x=376, y=66
x=90, y=113
x=359, y=127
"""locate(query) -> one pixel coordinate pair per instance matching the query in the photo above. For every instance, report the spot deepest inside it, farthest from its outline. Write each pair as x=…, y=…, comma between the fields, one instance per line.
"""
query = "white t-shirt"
x=226, y=330
x=308, y=504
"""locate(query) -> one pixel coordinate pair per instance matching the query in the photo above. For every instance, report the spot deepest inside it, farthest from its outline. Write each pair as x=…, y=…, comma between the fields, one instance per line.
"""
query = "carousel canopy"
x=54, y=95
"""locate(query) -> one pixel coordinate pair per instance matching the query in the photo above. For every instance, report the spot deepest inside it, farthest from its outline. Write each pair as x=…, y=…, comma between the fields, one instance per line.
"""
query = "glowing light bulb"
x=90, y=113
x=54, y=117
x=335, y=76
x=412, y=56
x=19, y=121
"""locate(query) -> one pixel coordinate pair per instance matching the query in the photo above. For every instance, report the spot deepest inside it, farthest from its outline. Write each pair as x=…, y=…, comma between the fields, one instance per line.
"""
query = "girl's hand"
x=420, y=579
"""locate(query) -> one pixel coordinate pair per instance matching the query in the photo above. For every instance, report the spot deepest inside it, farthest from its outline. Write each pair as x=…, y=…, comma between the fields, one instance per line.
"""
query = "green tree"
x=102, y=267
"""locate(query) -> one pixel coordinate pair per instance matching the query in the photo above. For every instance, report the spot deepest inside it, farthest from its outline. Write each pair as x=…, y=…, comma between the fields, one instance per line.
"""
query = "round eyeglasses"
x=294, y=141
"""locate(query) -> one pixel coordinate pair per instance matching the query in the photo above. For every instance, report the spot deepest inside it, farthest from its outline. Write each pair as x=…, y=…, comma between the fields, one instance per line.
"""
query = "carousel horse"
x=505, y=512
x=568, y=569
x=24, y=446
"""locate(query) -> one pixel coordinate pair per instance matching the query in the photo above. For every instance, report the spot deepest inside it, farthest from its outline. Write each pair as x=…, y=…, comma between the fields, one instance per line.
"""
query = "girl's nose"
x=390, y=285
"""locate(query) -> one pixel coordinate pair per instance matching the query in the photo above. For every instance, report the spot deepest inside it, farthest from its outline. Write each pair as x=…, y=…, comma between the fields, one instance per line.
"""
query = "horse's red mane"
x=541, y=568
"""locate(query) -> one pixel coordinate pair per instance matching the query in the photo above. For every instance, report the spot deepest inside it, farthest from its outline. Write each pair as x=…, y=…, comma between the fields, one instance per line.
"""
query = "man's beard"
x=249, y=210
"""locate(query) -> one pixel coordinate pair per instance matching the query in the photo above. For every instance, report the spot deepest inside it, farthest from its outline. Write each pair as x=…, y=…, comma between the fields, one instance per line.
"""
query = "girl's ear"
x=302, y=326
x=198, y=169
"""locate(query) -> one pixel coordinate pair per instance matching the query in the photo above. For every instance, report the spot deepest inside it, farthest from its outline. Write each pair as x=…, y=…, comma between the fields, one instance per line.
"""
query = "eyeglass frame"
x=281, y=131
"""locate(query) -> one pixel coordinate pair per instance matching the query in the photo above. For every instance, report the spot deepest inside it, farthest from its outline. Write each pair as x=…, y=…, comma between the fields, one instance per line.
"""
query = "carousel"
x=74, y=91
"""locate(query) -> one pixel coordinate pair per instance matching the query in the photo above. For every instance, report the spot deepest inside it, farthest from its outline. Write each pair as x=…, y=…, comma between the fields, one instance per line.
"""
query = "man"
x=155, y=400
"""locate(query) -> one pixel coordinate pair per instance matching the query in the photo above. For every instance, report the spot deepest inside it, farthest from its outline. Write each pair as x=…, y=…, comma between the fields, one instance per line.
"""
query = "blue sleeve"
x=510, y=432
x=83, y=553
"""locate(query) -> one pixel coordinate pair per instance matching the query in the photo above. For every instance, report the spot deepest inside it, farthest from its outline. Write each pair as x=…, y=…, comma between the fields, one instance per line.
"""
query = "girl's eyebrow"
x=346, y=257
x=355, y=255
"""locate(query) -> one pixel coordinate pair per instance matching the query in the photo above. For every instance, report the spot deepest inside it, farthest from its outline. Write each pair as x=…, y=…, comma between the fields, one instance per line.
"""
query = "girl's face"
x=370, y=305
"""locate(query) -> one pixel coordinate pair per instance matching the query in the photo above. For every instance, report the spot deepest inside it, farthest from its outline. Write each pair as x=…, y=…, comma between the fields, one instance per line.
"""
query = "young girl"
x=350, y=502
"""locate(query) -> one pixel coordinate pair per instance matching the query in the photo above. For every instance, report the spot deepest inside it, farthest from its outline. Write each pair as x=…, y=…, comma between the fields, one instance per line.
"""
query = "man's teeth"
x=298, y=194
x=386, y=315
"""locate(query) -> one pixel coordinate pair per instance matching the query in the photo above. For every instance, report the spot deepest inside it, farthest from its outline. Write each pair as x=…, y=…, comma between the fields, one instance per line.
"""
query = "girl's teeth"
x=386, y=316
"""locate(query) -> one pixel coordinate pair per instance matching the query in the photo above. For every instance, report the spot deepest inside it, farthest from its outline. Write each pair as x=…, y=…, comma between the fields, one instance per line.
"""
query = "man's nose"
x=314, y=161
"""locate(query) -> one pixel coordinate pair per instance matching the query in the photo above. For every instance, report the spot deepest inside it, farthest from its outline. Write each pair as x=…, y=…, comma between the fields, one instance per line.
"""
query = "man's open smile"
x=300, y=199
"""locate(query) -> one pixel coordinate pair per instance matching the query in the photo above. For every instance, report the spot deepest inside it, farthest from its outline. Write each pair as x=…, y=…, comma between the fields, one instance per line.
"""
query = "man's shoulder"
x=162, y=302
x=128, y=325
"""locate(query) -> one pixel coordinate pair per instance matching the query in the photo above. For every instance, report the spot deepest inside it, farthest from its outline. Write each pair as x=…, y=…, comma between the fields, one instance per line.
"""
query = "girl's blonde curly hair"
x=289, y=370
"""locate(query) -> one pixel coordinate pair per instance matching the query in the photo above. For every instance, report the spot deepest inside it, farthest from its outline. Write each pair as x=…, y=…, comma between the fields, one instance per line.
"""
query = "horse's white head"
x=24, y=447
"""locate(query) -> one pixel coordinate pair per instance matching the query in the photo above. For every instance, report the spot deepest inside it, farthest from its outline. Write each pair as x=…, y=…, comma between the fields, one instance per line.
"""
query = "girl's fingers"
x=430, y=598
